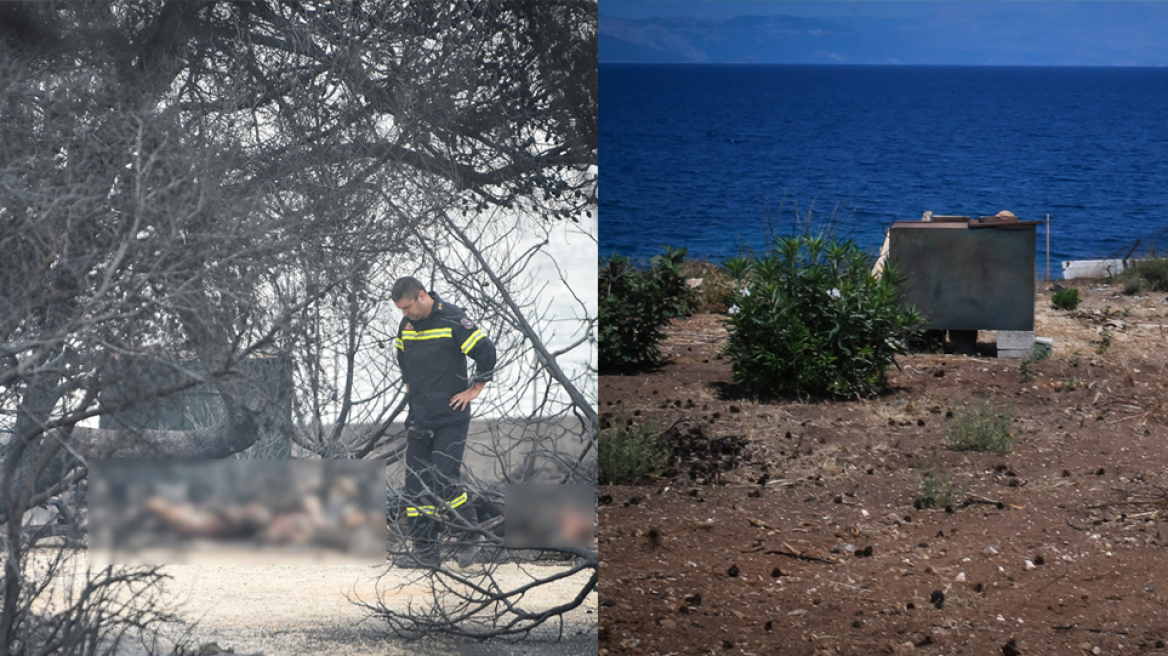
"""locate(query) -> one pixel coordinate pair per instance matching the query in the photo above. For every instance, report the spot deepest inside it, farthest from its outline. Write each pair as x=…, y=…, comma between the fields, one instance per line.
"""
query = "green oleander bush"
x=637, y=304
x=809, y=318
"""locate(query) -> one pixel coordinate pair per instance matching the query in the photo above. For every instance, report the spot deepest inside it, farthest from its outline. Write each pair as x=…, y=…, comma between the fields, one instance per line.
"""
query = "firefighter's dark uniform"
x=432, y=355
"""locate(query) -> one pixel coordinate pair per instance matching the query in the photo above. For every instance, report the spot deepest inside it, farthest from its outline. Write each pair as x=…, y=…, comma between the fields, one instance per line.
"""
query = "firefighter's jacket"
x=432, y=355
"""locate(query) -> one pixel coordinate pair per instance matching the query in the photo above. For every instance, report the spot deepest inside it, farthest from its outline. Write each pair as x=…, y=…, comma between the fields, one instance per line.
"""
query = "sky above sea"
x=958, y=32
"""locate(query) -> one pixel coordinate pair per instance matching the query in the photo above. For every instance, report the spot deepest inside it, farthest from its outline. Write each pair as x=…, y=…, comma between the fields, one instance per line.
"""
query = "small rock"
x=960, y=577
x=844, y=547
x=1030, y=566
x=798, y=612
x=990, y=551
x=937, y=598
x=865, y=552
x=1096, y=650
x=1010, y=648
x=733, y=571
x=668, y=624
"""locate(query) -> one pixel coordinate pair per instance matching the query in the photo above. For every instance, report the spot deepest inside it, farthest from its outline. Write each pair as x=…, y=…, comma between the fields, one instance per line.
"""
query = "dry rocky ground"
x=789, y=526
x=294, y=609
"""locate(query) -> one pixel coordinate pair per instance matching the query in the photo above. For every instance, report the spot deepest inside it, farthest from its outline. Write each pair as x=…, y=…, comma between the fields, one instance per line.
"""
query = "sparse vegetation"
x=1065, y=299
x=1024, y=373
x=1038, y=352
x=1150, y=274
x=1105, y=342
x=936, y=489
x=628, y=452
x=809, y=318
x=983, y=427
x=716, y=287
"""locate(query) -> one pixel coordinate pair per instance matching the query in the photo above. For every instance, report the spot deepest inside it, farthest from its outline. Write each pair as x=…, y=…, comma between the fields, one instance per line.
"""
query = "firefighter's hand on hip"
x=459, y=401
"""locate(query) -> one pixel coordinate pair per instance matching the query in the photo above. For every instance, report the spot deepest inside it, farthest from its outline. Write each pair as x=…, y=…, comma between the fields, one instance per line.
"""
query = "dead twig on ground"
x=791, y=552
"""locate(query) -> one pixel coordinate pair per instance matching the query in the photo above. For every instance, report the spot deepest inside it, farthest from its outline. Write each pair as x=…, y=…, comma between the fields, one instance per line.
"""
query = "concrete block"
x=1015, y=339
x=1043, y=344
x=1040, y=347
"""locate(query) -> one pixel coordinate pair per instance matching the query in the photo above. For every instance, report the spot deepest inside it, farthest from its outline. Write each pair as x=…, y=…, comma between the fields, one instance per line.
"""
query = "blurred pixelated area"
x=256, y=511
x=550, y=516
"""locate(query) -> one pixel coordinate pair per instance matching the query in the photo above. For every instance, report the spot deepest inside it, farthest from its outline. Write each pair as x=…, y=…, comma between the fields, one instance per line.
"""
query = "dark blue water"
x=698, y=156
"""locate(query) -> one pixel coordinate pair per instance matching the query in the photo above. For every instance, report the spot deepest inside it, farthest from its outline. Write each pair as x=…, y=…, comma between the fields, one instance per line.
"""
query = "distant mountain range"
x=1009, y=33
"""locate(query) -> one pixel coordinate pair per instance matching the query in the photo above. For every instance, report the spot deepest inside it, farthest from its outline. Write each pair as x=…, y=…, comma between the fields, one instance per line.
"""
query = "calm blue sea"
x=701, y=155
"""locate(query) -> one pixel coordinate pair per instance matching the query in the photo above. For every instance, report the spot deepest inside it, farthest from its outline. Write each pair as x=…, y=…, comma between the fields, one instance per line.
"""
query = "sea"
x=719, y=159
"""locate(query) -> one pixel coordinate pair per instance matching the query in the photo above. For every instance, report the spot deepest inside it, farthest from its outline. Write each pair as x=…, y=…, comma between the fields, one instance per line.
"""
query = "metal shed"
x=968, y=274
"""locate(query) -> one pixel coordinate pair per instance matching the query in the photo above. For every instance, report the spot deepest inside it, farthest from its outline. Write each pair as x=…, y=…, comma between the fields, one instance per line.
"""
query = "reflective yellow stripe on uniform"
x=472, y=340
x=419, y=335
x=415, y=511
x=399, y=343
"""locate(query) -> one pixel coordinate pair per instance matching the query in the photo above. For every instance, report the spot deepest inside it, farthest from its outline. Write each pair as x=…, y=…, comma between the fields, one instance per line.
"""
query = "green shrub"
x=1065, y=299
x=1105, y=342
x=1025, y=375
x=810, y=318
x=981, y=428
x=738, y=267
x=936, y=490
x=1150, y=274
x=636, y=305
x=628, y=454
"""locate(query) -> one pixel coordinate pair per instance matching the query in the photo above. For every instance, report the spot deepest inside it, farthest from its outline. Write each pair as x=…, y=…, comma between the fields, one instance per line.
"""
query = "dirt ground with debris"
x=294, y=609
x=789, y=526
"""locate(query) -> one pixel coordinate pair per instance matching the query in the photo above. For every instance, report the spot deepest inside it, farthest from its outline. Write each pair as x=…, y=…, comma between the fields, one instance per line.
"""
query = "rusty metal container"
x=968, y=274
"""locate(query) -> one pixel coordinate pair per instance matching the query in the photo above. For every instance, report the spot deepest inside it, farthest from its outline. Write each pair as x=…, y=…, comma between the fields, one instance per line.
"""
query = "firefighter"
x=434, y=340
